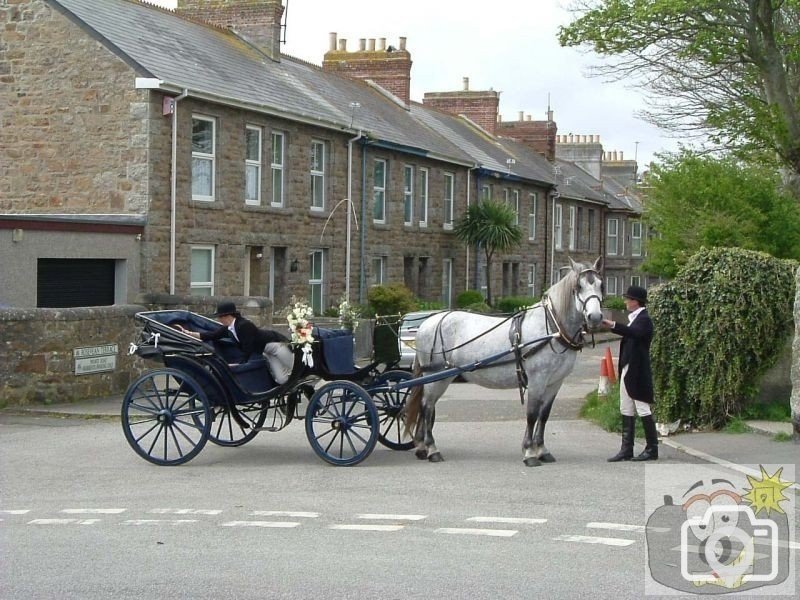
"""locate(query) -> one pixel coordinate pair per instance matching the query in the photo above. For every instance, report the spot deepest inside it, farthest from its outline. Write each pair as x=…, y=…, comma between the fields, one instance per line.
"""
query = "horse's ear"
x=598, y=264
x=574, y=265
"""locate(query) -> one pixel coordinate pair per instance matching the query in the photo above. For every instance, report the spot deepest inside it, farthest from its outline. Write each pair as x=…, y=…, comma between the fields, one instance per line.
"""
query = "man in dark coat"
x=250, y=339
x=636, y=377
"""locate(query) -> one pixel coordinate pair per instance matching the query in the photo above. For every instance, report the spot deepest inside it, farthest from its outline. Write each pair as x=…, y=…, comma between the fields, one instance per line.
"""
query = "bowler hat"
x=226, y=308
x=637, y=293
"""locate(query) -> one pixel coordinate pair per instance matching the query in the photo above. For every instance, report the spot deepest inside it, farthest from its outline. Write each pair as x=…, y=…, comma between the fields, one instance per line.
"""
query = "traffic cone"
x=612, y=372
x=603, y=387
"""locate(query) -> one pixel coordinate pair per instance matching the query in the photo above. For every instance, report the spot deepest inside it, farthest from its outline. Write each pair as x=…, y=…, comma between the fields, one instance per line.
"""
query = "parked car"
x=407, y=335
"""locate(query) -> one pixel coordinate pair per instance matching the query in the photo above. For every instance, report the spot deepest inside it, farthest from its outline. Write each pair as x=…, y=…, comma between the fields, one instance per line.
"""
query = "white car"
x=407, y=335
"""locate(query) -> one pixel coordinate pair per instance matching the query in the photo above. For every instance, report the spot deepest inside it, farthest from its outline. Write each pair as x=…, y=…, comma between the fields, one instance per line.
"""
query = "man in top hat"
x=636, y=378
x=250, y=339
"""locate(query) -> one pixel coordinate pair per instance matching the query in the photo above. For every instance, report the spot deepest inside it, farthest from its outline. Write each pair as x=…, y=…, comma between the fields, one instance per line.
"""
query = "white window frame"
x=515, y=206
x=316, y=282
x=533, y=197
x=379, y=191
x=572, y=232
x=447, y=282
x=253, y=164
x=424, y=189
x=612, y=236
x=277, y=167
x=636, y=238
x=611, y=285
x=408, y=195
x=532, y=280
x=486, y=193
x=204, y=156
x=558, y=215
x=378, y=274
x=197, y=285
x=449, y=200
x=317, y=171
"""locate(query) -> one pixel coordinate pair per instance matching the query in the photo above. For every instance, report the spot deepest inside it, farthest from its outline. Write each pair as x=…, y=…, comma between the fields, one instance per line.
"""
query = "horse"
x=459, y=338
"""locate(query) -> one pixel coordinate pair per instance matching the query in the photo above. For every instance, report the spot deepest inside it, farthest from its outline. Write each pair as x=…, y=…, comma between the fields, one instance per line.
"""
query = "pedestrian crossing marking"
x=158, y=521
x=295, y=514
x=587, y=539
x=509, y=520
x=356, y=527
x=468, y=531
x=615, y=526
x=184, y=511
x=93, y=511
x=270, y=524
x=384, y=517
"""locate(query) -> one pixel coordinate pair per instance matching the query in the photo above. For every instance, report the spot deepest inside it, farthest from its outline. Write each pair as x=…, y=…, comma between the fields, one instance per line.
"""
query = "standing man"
x=636, y=378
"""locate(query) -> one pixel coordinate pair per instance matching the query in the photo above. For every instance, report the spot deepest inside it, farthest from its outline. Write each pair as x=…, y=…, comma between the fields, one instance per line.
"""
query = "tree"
x=700, y=201
x=729, y=68
x=491, y=225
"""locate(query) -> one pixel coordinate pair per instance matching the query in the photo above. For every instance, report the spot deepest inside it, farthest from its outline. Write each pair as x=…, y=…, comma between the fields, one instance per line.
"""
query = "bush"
x=614, y=303
x=391, y=299
x=512, y=304
x=718, y=327
x=468, y=297
x=480, y=307
x=430, y=305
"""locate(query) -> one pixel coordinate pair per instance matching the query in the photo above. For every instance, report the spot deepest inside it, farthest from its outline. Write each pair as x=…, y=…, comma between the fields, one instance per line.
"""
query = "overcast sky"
x=512, y=49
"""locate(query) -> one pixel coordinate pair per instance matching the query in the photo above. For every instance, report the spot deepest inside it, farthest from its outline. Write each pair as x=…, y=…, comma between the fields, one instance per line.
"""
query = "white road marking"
x=158, y=521
x=615, y=526
x=587, y=539
x=15, y=512
x=184, y=511
x=515, y=520
x=368, y=527
x=296, y=514
x=274, y=524
x=467, y=531
x=391, y=517
x=51, y=521
x=93, y=511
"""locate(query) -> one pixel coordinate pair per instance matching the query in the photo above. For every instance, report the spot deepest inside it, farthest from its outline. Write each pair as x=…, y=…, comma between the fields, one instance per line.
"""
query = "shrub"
x=480, y=307
x=718, y=327
x=468, y=297
x=614, y=303
x=512, y=304
x=430, y=305
x=391, y=299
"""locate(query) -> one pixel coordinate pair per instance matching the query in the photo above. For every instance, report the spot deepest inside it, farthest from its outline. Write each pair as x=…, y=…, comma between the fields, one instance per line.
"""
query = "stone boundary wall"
x=796, y=361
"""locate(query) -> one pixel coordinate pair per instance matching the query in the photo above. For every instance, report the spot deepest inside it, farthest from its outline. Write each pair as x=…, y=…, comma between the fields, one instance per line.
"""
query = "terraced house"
x=153, y=152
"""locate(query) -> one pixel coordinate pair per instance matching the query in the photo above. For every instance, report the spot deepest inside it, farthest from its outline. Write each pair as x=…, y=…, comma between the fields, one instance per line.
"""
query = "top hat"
x=637, y=293
x=226, y=308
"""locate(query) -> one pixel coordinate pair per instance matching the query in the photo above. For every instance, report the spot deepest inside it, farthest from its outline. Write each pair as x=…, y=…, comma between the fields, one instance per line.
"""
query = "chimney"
x=586, y=151
x=256, y=21
x=539, y=136
x=387, y=66
x=478, y=106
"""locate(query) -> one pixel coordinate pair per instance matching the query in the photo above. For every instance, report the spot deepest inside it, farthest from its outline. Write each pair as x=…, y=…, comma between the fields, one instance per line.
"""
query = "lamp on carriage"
x=294, y=266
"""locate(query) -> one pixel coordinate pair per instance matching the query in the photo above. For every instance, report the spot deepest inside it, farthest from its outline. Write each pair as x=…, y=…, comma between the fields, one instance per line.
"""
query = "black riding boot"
x=628, y=431
x=651, y=437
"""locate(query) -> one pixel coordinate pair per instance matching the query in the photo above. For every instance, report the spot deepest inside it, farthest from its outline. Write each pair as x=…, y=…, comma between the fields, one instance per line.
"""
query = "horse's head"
x=589, y=292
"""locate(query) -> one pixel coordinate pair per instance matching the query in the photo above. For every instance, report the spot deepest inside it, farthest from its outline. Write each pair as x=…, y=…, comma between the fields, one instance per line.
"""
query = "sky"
x=510, y=46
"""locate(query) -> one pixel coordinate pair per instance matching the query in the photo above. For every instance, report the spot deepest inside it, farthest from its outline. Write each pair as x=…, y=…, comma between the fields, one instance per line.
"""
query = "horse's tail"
x=414, y=402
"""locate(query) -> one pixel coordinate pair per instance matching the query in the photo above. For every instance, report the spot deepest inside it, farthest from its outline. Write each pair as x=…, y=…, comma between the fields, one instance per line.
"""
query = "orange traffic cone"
x=612, y=372
x=603, y=387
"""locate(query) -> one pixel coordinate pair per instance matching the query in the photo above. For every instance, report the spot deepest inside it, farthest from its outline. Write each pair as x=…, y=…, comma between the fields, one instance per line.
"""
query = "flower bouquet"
x=298, y=314
x=348, y=315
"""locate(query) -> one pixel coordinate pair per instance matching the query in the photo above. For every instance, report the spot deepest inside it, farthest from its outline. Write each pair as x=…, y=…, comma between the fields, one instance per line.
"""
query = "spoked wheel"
x=342, y=423
x=225, y=431
x=391, y=405
x=166, y=417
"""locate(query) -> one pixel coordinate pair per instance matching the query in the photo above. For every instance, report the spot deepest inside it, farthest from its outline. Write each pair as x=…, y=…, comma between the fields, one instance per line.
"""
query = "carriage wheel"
x=166, y=417
x=342, y=423
x=391, y=406
x=225, y=431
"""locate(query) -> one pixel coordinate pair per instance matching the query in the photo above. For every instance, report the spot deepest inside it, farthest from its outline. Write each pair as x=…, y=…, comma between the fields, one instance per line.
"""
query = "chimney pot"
x=620, y=154
x=342, y=45
x=466, y=83
x=402, y=43
x=362, y=44
x=381, y=43
x=521, y=115
x=371, y=44
x=527, y=117
x=332, y=38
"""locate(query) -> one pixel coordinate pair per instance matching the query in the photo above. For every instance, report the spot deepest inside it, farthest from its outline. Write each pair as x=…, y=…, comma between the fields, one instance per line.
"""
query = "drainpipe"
x=349, y=211
x=552, y=235
x=174, y=191
x=362, y=282
x=469, y=189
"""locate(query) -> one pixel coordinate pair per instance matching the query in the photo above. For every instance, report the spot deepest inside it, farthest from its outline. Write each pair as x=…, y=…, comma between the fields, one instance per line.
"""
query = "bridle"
x=581, y=303
x=574, y=342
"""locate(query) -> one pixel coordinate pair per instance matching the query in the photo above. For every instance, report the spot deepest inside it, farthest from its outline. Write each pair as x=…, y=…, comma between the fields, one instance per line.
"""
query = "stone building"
x=156, y=152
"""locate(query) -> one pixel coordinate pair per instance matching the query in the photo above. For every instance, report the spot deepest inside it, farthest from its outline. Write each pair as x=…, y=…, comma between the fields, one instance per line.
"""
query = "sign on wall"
x=95, y=359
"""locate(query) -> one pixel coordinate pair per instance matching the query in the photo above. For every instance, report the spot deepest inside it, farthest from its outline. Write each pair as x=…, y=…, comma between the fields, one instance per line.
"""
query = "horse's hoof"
x=436, y=457
x=421, y=454
x=547, y=458
x=532, y=462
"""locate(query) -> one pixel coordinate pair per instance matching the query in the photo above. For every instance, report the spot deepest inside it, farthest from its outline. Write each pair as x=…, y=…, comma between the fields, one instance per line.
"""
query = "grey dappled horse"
x=457, y=338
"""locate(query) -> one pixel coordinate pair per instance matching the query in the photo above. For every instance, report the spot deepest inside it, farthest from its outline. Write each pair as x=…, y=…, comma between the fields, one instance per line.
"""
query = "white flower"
x=348, y=315
x=297, y=315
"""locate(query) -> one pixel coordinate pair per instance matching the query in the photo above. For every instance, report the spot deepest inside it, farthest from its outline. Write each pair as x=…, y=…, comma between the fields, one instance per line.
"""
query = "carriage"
x=210, y=391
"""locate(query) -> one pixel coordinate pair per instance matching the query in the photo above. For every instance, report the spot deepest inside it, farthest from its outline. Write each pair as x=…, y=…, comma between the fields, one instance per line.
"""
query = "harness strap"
x=515, y=336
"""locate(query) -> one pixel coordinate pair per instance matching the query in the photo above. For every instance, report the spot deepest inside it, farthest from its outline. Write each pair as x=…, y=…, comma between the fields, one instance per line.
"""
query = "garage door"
x=65, y=282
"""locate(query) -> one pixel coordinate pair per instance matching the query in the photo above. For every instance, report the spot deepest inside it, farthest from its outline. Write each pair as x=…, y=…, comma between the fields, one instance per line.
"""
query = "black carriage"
x=211, y=391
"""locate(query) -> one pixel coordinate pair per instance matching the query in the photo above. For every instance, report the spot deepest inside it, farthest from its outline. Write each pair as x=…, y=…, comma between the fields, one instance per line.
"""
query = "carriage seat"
x=336, y=350
x=254, y=375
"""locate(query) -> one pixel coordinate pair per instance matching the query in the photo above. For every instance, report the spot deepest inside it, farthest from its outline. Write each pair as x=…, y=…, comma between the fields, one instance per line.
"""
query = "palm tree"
x=491, y=225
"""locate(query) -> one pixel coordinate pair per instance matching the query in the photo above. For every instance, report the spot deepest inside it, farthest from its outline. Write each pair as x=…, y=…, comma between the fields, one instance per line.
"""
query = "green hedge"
x=512, y=304
x=719, y=325
x=468, y=297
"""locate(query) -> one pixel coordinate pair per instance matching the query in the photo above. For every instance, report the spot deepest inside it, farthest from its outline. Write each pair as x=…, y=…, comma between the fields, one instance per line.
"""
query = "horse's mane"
x=560, y=293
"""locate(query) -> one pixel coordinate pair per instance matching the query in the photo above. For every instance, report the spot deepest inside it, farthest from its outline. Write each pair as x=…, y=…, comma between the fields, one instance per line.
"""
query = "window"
x=277, y=168
x=533, y=206
x=612, y=237
x=515, y=205
x=486, y=193
x=590, y=229
x=316, y=280
x=558, y=211
x=447, y=282
x=317, y=175
x=252, y=165
x=378, y=270
x=423, y=197
x=636, y=280
x=572, y=229
x=611, y=285
x=636, y=238
x=506, y=197
x=532, y=280
x=580, y=240
x=203, y=158
x=408, y=194
x=448, y=200
x=379, y=191
x=202, y=271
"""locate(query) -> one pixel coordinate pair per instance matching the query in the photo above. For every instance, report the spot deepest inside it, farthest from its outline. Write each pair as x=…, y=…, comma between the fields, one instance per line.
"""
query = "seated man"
x=250, y=339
